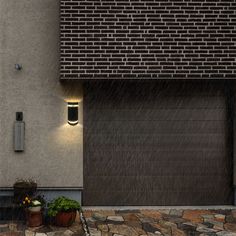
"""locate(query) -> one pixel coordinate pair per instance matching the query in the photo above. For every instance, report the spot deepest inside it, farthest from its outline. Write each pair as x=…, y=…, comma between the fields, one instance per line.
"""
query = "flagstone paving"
x=161, y=222
x=20, y=229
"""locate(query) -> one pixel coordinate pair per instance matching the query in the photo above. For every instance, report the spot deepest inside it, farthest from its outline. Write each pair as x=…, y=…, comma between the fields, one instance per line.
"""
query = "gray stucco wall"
x=29, y=35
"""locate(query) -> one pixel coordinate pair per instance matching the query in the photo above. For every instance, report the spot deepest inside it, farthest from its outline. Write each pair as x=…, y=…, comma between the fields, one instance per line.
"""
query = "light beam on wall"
x=73, y=113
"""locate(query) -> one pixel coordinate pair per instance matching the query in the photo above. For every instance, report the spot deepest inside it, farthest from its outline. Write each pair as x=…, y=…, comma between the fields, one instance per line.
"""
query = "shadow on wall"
x=71, y=91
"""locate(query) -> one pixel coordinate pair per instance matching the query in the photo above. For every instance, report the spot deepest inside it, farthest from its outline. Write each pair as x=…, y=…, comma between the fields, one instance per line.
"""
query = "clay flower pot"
x=65, y=219
x=34, y=219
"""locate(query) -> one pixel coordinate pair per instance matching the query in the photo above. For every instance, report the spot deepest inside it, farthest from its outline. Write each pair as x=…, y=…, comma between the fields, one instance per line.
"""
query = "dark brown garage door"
x=155, y=143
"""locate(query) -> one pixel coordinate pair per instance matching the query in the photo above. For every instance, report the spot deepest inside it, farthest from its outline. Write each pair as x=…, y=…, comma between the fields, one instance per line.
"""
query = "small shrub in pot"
x=64, y=210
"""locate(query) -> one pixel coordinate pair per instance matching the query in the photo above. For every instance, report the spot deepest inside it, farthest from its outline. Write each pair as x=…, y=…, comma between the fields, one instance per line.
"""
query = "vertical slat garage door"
x=156, y=143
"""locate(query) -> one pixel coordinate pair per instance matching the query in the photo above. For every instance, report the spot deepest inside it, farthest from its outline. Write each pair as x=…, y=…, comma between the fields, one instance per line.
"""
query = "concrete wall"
x=29, y=35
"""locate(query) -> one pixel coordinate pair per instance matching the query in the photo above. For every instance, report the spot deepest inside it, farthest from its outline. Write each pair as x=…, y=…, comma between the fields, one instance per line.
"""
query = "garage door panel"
x=158, y=169
x=156, y=144
x=119, y=91
x=144, y=183
x=156, y=114
x=171, y=102
x=211, y=141
x=119, y=155
x=154, y=127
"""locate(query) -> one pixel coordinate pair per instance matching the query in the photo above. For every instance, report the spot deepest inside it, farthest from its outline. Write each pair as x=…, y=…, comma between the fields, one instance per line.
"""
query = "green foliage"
x=62, y=204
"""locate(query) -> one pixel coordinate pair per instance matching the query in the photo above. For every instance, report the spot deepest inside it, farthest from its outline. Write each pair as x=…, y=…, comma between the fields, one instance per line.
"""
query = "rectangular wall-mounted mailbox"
x=19, y=133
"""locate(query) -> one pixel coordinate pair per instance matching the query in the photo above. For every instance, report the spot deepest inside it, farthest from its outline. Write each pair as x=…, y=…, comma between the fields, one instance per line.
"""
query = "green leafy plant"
x=62, y=204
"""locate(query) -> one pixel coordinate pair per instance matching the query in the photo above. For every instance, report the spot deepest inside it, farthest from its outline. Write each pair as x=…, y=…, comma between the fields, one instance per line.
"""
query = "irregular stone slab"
x=134, y=224
x=165, y=231
x=164, y=211
x=108, y=212
x=91, y=222
x=195, y=215
x=55, y=233
x=144, y=219
x=43, y=229
x=206, y=230
x=102, y=227
x=230, y=219
x=158, y=233
x=225, y=233
x=178, y=232
x=233, y=213
x=220, y=217
x=175, y=212
x=139, y=230
x=122, y=229
x=154, y=215
x=76, y=227
x=216, y=224
x=68, y=233
x=149, y=227
x=12, y=234
x=118, y=212
x=187, y=226
x=174, y=219
x=230, y=227
x=119, y=219
x=88, y=214
x=40, y=234
x=103, y=234
x=12, y=226
x=99, y=217
x=130, y=217
x=208, y=225
x=29, y=233
x=167, y=224
x=206, y=217
x=207, y=234
x=95, y=232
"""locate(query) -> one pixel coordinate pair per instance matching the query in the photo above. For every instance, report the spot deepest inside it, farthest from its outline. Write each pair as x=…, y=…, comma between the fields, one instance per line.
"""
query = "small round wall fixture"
x=73, y=113
x=18, y=67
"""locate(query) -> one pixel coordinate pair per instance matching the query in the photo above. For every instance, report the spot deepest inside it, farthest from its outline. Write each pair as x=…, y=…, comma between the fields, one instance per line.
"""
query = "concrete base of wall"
x=51, y=193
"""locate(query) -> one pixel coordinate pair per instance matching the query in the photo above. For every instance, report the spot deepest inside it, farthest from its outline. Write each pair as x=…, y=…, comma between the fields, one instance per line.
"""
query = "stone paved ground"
x=19, y=229
x=162, y=222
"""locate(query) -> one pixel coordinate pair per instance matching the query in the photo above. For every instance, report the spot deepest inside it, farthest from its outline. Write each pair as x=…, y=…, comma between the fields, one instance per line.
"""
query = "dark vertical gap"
x=230, y=122
x=84, y=165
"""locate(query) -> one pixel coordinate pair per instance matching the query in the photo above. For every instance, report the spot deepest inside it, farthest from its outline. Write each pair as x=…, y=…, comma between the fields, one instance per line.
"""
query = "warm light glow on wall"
x=73, y=113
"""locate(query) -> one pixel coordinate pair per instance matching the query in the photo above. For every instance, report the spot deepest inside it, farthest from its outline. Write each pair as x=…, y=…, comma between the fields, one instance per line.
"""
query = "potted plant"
x=24, y=188
x=63, y=210
x=34, y=208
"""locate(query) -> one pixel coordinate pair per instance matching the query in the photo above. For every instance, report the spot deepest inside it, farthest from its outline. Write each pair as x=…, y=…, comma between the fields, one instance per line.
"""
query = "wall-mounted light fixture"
x=73, y=113
x=19, y=132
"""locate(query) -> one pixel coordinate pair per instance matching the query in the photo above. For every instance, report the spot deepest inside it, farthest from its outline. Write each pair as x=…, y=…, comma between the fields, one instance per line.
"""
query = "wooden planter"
x=34, y=218
x=65, y=219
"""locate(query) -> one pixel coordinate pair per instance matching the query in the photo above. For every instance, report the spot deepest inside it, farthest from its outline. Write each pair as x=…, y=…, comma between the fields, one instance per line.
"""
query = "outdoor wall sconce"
x=73, y=113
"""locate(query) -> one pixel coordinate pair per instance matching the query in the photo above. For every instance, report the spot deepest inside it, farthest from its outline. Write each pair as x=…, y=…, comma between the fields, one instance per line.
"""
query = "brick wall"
x=148, y=39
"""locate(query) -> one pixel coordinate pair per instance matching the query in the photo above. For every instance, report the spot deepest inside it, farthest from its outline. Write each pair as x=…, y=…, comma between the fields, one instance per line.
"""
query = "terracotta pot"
x=34, y=219
x=65, y=219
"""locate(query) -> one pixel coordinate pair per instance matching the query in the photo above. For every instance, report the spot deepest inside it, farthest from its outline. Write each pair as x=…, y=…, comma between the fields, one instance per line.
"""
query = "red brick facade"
x=148, y=39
